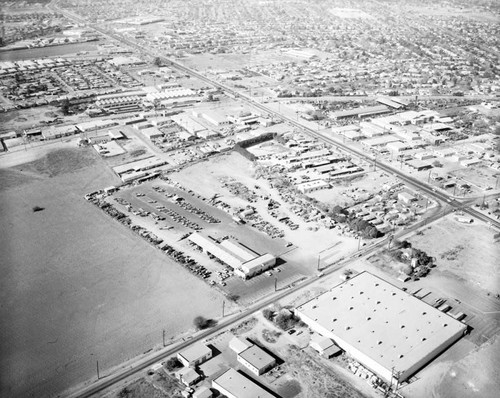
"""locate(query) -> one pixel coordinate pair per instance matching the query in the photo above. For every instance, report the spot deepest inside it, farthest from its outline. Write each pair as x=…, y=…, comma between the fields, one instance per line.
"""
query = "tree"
x=405, y=244
x=158, y=62
x=202, y=323
x=233, y=297
x=172, y=363
x=65, y=107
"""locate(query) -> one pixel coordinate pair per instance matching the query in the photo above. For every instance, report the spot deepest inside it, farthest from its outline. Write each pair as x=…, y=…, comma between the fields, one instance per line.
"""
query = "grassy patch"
x=62, y=161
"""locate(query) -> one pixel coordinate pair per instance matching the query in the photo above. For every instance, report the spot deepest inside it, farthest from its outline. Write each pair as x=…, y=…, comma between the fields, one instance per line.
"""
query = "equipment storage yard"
x=173, y=202
x=211, y=177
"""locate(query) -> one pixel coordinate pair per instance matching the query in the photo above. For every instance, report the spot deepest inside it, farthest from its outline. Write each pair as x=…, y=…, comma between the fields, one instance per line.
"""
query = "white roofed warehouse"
x=387, y=330
x=195, y=355
x=234, y=385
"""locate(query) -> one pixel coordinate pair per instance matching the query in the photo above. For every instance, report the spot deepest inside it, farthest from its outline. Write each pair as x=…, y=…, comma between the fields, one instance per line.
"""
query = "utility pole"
x=359, y=243
x=223, y=307
x=98, y=375
x=275, y=283
x=429, y=177
x=318, y=262
x=163, y=337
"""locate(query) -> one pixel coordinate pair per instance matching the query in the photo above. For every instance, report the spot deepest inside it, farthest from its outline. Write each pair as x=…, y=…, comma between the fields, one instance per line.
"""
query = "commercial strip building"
x=95, y=125
x=234, y=385
x=246, y=262
x=360, y=112
x=387, y=330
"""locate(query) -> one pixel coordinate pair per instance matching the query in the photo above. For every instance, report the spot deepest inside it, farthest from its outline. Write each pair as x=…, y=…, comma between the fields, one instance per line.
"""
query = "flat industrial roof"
x=195, y=352
x=240, y=386
x=390, y=326
x=139, y=165
x=257, y=357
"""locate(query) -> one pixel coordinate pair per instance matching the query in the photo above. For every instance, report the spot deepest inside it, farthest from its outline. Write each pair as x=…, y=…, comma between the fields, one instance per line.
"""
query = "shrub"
x=268, y=314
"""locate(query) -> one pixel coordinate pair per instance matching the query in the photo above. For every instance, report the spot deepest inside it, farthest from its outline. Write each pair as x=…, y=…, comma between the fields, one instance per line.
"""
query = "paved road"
x=374, y=97
x=141, y=365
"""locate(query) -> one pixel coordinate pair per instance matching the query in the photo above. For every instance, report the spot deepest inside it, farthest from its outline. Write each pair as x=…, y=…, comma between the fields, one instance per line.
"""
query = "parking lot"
x=171, y=213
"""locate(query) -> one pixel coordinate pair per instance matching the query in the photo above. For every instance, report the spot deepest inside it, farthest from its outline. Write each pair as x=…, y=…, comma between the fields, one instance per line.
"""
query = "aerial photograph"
x=250, y=198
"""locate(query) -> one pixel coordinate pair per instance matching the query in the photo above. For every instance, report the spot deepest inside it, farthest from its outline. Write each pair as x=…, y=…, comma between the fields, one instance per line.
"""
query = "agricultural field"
x=78, y=287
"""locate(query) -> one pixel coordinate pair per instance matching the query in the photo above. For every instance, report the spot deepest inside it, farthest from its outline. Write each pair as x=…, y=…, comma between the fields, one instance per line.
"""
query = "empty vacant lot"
x=77, y=286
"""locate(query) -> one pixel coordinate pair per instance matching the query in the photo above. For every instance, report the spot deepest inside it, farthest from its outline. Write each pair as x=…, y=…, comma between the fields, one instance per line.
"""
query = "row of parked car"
x=187, y=262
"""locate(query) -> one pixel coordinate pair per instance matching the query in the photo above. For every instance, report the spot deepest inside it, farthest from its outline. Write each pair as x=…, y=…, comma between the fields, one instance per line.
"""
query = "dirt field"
x=76, y=286
x=467, y=251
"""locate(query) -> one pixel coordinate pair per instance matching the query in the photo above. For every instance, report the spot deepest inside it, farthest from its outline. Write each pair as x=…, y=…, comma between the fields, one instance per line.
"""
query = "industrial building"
x=235, y=385
x=251, y=356
x=195, y=355
x=245, y=262
x=360, y=112
x=311, y=186
x=387, y=330
x=188, y=376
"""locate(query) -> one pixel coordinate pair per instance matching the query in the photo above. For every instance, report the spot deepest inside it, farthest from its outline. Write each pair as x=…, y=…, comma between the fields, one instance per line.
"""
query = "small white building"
x=311, y=186
x=203, y=392
x=195, y=355
x=188, y=376
x=256, y=360
x=239, y=345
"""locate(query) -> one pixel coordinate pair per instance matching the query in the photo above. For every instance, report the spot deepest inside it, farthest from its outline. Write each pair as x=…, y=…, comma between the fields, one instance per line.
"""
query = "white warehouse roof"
x=380, y=325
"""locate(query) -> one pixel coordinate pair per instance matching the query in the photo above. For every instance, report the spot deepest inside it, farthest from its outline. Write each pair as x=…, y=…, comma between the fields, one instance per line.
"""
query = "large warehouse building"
x=246, y=262
x=388, y=331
